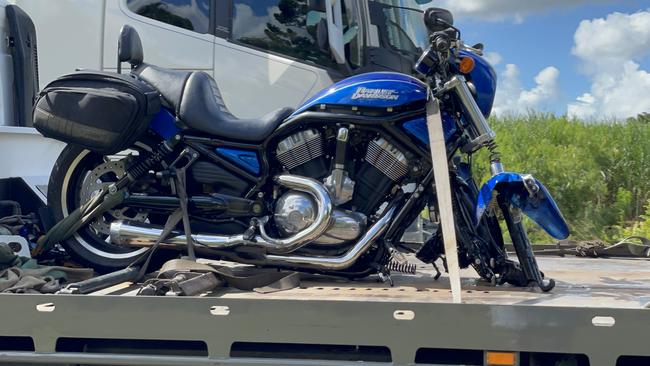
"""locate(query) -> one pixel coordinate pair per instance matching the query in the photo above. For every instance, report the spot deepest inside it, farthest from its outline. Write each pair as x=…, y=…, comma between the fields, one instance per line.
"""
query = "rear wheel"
x=77, y=175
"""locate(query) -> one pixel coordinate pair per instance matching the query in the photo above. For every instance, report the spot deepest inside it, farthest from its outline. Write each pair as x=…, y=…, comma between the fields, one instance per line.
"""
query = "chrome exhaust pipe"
x=315, y=229
x=137, y=234
x=341, y=262
x=129, y=233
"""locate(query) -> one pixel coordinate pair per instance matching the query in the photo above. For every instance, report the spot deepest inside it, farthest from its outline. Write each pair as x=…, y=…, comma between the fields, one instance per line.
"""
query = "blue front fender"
x=529, y=195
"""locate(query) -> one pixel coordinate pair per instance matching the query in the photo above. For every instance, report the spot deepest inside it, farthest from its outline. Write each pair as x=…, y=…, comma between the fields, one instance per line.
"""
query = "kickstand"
x=384, y=274
x=385, y=277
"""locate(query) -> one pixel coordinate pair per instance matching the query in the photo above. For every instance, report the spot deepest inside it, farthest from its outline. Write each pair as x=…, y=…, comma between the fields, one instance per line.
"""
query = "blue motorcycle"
x=156, y=160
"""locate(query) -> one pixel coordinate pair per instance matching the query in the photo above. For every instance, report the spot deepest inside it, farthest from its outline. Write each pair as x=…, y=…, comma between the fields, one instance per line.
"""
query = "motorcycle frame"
x=385, y=124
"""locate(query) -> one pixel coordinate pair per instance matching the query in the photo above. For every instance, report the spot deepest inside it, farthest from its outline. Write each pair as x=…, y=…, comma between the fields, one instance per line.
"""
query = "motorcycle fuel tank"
x=374, y=90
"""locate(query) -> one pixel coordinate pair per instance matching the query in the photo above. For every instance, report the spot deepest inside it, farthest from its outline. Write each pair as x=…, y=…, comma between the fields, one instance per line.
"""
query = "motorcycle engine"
x=357, y=187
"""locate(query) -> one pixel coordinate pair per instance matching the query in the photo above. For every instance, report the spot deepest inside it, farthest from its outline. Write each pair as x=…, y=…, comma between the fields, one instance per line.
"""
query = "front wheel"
x=77, y=175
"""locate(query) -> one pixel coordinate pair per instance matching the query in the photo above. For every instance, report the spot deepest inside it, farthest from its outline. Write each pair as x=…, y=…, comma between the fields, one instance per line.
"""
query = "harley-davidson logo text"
x=366, y=93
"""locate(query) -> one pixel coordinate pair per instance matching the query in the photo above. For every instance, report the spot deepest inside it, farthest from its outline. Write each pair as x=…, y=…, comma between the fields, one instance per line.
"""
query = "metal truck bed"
x=597, y=313
x=581, y=282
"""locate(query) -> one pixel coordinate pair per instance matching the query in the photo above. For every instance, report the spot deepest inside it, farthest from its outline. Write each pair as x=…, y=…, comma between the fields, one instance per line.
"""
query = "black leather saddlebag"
x=101, y=111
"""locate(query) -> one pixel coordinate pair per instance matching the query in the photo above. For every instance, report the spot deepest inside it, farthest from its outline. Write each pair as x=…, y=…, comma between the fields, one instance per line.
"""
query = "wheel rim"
x=69, y=199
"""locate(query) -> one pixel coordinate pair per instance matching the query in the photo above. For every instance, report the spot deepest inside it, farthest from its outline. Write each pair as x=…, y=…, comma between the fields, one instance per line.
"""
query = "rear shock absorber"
x=159, y=153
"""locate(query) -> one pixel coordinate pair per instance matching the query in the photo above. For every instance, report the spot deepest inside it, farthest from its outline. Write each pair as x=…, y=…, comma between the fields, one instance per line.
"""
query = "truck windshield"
x=400, y=22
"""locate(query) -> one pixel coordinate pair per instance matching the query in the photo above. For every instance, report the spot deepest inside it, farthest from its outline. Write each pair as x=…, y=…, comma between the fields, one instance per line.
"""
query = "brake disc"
x=102, y=176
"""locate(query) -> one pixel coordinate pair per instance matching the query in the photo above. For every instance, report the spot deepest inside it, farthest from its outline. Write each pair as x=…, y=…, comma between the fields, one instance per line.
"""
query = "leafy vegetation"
x=599, y=173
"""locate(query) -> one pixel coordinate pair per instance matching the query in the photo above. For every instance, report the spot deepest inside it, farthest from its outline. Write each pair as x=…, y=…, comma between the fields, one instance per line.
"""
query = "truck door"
x=267, y=54
x=175, y=33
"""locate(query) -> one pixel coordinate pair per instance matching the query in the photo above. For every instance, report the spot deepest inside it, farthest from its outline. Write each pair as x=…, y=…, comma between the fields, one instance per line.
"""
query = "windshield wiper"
x=397, y=7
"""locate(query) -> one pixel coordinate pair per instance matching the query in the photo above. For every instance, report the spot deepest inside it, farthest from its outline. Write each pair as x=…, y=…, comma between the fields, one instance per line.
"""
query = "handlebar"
x=441, y=42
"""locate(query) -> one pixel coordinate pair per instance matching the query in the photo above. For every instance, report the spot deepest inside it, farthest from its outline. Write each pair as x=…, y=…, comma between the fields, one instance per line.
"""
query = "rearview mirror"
x=438, y=19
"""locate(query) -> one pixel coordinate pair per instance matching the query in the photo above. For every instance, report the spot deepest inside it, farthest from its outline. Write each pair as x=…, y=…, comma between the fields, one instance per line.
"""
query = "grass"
x=599, y=173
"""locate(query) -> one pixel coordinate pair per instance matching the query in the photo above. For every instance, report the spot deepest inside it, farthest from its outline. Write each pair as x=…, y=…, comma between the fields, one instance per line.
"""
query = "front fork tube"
x=522, y=245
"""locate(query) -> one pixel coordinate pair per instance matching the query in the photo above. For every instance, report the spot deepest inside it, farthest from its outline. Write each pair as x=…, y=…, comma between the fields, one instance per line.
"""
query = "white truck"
x=264, y=54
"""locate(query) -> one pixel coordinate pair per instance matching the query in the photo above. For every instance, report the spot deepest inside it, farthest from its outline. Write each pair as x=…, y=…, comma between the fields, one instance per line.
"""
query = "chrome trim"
x=343, y=134
x=346, y=227
x=294, y=212
x=139, y=234
x=496, y=168
x=128, y=233
x=344, y=261
x=387, y=159
x=483, y=133
x=340, y=186
x=300, y=148
x=321, y=223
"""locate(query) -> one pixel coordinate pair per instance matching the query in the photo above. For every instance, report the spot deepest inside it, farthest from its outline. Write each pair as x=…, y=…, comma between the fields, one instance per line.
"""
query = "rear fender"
x=528, y=194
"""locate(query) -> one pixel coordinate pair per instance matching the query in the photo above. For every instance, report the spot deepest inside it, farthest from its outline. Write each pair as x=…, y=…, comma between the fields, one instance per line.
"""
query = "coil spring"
x=157, y=155
x=493, y=148
x=401, y=267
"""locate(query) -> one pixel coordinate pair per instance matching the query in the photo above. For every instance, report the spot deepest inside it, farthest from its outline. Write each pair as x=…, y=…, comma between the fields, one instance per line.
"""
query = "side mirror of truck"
x=334, y=27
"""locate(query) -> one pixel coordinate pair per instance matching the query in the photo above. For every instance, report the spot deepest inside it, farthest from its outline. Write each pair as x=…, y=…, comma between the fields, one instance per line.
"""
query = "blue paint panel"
x=164, y=124
x=247, y=160
x=418, y=128
x=543, y=211
x=373, y=89
x=484, y=79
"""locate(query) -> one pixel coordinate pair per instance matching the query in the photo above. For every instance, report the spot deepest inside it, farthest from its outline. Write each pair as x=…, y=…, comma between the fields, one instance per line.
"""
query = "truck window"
x=189, y=14
x=287, y=27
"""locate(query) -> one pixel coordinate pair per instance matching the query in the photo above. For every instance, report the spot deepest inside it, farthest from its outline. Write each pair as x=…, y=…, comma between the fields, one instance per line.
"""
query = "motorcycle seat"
x=197, y=101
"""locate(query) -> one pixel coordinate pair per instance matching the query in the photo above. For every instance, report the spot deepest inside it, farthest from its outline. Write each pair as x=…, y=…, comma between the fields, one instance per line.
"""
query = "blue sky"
x=530, y=36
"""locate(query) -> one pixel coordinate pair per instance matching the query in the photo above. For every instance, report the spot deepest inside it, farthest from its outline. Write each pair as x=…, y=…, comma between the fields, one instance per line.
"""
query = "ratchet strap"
x=182, y=196
x=179, y=214
x=176, y=274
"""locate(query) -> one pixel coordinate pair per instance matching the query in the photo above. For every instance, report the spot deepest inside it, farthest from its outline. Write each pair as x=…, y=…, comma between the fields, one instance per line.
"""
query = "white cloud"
x=610, y=49
x=497, y=10
x=494, y=58
x=512, y=98
x=247, y=24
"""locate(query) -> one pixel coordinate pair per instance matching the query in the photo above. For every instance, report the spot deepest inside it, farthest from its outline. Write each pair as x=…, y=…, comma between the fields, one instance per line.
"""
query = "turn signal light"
x=467, y=65
x=500, y=358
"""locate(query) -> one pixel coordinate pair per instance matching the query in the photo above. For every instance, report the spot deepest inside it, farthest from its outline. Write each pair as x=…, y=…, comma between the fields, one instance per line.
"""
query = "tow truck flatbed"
x=598, y=313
